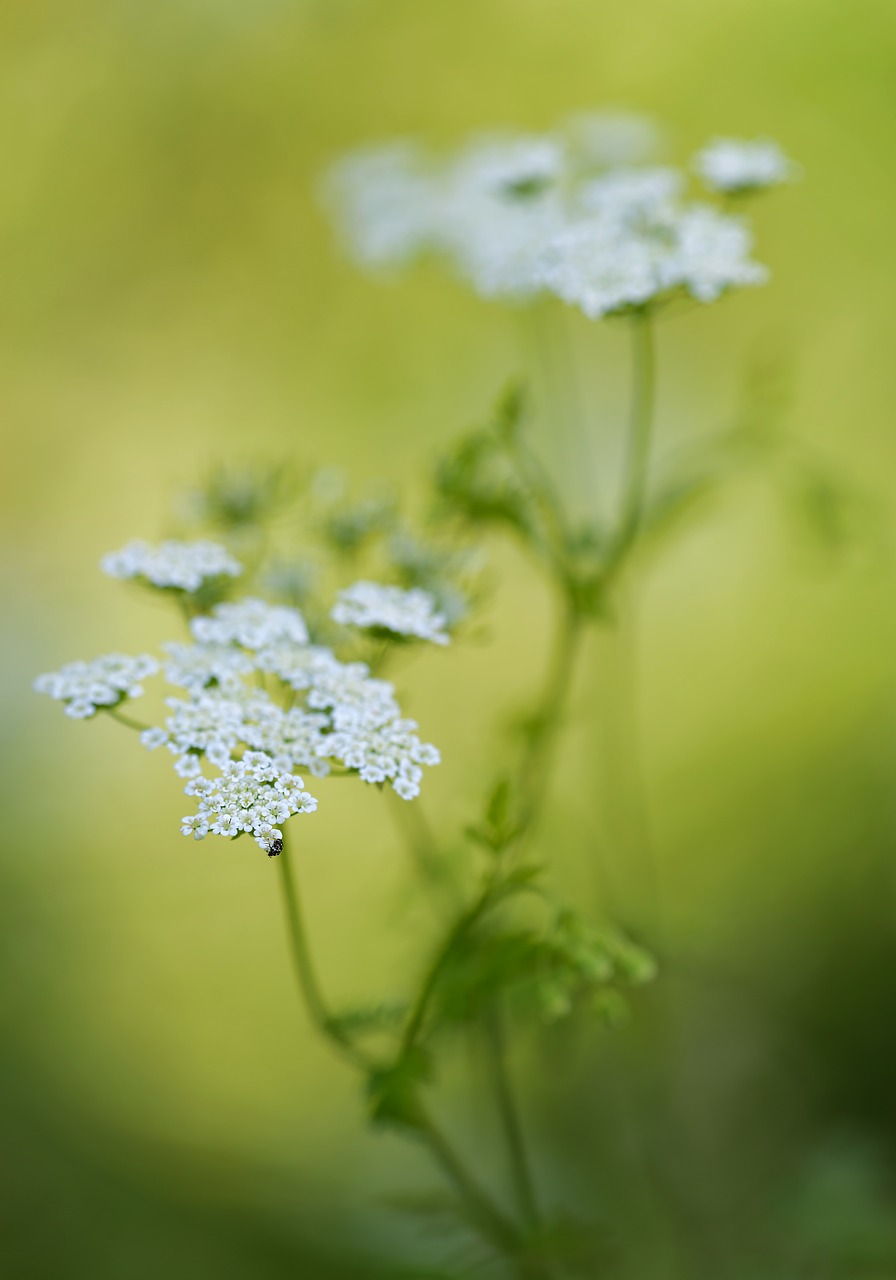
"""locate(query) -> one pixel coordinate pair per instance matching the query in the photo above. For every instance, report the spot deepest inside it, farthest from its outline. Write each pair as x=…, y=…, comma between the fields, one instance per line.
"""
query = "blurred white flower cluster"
x=402, y=613
x=88, y=687
x=261, y=699
x=733, y=166
x=184, y=565
x=575, y=213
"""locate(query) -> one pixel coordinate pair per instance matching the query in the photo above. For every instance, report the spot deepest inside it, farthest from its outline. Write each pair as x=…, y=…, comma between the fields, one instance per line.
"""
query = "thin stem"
x=521, y=1177
x=305, y=972
x=634, y=483
x=418, y=835
x=489, y=1219
x=456, y=935
x=535, y=766
x=126, y=720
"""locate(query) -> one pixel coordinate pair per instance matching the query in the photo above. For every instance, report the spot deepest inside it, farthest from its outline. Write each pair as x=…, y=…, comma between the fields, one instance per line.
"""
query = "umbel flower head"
x=734, y=167
x=250, y=795
x=373, y=606
x=518, y=216
x=251, y=623
x=183, y=565
x=259, y=701
x=88, y=687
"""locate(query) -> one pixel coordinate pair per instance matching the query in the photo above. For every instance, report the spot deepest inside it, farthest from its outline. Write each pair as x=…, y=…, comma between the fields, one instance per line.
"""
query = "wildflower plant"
x=297, y=597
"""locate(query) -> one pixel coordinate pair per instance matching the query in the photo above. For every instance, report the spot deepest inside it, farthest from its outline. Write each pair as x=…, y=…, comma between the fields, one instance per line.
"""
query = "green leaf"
x=499, y=805
x=393, y=1092
x=367, y=1020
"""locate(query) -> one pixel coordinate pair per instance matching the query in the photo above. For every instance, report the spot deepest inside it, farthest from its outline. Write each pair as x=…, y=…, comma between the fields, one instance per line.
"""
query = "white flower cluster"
x=216, y=725
x=184, y=565
x=517, y=216
x=250, y=795
x=733, y=166
x=625, y=257
x=386, y=752
x=405, y=613
x=86, y=687
x=231, y=722
x=252, y=624
x=197, y=666
x=363, y=728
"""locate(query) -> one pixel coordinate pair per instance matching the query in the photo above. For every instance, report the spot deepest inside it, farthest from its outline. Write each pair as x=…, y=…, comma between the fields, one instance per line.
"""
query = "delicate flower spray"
x=280, y=673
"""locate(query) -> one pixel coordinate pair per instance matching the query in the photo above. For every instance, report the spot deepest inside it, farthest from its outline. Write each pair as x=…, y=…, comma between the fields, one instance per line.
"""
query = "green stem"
x=126, y=720
x=488, y=1218
x=305, y=972
x=535, y=766
x=634, y=483
x=420, y=839
x=456, y=935
x=521, y=1177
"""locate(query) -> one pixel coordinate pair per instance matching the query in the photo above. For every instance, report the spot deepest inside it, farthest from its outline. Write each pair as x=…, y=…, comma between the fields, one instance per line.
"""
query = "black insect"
x=275, y=848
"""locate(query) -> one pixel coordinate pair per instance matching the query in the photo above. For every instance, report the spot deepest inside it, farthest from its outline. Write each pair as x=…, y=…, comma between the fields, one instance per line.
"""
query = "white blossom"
x=712, y=254
x=293, y=738
x=625, y=195
x=209, y=724
x=518, y=216
x=731, y=165
x=613, y=262
x=252, y=623
x=384, y=202
x=86, y=687
x=184, y=565
x=216, y=726
x=196, y=666
x=404, y=613
x=251, y=795
x=361, y=726
x=390, y=752
x=512, y=164
x=354, y=699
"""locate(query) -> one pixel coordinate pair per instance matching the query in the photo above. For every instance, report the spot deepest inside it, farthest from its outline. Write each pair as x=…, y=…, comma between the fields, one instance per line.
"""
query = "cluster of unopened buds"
x=261, y=700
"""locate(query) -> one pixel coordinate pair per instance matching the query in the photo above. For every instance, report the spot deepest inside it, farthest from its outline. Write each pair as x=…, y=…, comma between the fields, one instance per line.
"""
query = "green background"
x=172, y=296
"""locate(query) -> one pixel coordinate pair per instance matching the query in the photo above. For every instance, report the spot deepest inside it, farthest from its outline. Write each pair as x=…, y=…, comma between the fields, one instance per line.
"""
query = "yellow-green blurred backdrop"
x=172, y=297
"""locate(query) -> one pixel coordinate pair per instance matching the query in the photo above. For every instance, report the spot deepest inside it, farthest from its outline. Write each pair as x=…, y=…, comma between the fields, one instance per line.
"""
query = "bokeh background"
x=172, y=297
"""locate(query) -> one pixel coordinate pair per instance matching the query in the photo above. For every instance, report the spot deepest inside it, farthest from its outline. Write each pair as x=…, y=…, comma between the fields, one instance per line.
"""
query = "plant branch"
x=305, y=972
x=634, y=483
x=520, y=1173
x=126, y=720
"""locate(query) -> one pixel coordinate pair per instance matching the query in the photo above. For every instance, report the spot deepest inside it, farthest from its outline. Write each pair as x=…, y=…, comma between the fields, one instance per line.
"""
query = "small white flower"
x=405, y=613
x=152, y=738
x=184, y=565
x=85, y=687
x=731, y=165
x=252, y=623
